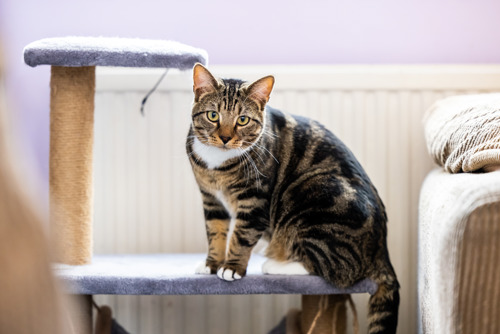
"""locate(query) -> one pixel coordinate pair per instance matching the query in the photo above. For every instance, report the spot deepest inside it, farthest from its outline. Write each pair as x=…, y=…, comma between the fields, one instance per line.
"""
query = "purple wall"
x=251, y=32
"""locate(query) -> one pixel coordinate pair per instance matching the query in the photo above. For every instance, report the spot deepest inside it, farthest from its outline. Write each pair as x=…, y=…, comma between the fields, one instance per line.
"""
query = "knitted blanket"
x=463, y=132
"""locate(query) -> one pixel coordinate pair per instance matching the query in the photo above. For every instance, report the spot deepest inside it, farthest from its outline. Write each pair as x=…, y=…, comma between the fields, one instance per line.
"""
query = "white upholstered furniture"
x=459, y=219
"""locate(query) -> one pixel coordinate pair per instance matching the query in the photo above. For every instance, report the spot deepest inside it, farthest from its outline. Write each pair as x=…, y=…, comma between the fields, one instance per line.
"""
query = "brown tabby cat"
x=288, y=180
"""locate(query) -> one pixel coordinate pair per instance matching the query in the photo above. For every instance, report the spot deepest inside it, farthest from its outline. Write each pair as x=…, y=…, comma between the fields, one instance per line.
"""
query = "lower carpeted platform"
x=173, y=274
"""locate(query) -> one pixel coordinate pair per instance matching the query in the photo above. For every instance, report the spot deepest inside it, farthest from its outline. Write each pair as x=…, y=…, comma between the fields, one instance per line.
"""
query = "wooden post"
x=331, y=310
x=81, y=314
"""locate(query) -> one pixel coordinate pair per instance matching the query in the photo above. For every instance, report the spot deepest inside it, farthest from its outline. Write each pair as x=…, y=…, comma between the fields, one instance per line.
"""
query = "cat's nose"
x=225, y=139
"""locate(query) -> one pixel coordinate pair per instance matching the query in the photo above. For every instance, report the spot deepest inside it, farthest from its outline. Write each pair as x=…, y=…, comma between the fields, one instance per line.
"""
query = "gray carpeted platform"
x=106, y=51
x=173, y=274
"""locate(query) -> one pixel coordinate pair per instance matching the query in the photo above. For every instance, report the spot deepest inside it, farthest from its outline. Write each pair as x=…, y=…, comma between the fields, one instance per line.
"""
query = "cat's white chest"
x=213, y=156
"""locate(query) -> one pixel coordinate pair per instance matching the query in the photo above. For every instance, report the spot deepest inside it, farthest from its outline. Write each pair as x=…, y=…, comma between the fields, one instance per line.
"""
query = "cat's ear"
x=204, y=81
x=260, y=90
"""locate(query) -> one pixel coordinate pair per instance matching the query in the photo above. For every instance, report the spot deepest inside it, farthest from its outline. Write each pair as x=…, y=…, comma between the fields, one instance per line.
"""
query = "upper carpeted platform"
x=173, y=274
x=105, y=51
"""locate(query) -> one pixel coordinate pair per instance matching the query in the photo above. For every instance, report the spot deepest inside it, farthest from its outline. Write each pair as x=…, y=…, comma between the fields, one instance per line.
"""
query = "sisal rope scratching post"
x=71, y=141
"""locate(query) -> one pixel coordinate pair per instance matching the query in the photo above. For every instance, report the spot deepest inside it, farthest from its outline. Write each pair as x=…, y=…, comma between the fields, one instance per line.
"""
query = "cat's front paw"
x=203, y=269
x=229, y=273
x=207, y=267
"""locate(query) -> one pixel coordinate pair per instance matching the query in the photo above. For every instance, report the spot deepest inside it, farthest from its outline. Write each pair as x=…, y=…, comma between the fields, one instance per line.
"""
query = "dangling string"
x=152, y=91
x=95, y=305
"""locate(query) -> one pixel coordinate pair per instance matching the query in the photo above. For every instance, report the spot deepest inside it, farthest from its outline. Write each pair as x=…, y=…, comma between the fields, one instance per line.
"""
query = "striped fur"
x=294, y=184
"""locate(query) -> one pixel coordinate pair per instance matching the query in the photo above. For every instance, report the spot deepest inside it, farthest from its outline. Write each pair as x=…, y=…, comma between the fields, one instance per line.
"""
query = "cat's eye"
x=213, y=116
x=243, y=120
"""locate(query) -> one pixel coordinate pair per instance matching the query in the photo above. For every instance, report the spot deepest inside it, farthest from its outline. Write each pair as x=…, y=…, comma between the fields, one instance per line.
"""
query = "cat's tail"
x=383, y=306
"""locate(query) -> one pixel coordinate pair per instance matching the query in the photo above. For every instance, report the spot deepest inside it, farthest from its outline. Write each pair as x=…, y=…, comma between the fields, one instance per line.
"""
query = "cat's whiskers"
x=259, y=155
x=247, y=158
x=270, y=134
x=255, y=168
x=265, y=149
x=246, y=170
x=262, y=148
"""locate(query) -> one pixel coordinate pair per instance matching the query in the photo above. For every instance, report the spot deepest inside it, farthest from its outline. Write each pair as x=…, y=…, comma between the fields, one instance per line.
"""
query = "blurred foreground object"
x=29, y=299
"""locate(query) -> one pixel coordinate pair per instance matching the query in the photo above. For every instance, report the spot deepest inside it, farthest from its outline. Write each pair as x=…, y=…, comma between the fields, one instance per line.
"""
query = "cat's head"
x=228, y=113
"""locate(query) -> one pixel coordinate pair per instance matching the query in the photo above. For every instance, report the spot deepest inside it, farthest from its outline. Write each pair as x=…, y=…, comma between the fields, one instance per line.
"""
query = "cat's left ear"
x=260, y=90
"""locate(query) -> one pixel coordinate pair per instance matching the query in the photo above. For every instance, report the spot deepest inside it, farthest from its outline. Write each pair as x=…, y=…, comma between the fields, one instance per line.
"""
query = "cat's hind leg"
x=274, y=267
x=280, y=257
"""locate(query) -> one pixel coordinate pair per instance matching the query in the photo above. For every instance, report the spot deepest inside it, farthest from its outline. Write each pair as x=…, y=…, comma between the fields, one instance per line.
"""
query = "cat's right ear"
x=204, y=82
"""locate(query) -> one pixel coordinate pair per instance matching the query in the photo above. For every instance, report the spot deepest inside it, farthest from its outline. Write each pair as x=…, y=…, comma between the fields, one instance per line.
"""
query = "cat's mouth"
x=225, y=147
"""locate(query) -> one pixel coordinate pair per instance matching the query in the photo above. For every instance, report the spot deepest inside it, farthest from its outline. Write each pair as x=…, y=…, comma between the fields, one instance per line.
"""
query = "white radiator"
x=146, y=199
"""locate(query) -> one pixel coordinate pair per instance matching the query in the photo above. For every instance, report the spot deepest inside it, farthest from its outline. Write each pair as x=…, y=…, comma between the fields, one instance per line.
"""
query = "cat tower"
x=72, y=85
